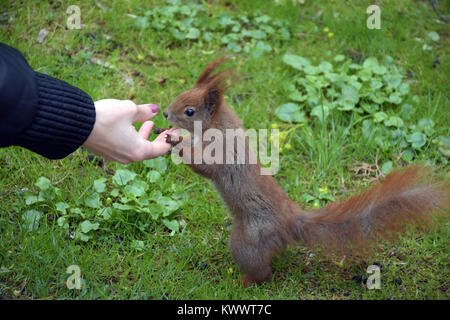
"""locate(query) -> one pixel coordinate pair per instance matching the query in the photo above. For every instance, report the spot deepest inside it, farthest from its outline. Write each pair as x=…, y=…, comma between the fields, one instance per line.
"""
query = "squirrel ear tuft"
x=205, y=78
x=212, y=100
x=215, y=84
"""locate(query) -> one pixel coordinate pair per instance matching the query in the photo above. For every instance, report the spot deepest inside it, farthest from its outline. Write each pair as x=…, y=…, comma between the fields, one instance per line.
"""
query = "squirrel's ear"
x=206, y=76
x=212, y=100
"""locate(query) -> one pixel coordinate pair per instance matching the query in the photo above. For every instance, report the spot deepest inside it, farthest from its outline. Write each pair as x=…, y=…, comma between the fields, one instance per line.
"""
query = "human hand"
x=115, y=138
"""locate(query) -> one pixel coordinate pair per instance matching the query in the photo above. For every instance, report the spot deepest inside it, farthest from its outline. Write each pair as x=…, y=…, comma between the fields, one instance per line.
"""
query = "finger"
x=145, y=112
x=162, y=136
x=175, y=132
x=146, y=129
x=155, y=149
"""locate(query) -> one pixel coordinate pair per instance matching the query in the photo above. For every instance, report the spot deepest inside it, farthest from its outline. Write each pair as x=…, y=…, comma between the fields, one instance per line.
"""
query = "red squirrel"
x=265, y=219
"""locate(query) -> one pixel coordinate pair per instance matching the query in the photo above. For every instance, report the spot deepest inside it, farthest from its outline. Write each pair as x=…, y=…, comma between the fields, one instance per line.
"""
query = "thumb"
x=145, y=112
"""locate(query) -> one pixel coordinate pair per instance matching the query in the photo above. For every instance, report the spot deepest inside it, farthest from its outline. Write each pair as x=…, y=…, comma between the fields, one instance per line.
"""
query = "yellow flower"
x=288, y=146
x=326, y=30
x=275, y=125
x=323, y=190
x=316, y=204
x=330, y=35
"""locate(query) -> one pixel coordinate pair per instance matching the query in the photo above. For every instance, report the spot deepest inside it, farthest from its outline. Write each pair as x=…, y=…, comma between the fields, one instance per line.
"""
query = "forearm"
x=64, y=118
x=41, y=113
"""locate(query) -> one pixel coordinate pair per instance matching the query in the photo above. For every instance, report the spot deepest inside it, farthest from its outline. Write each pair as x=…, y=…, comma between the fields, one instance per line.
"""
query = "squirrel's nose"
x=165, y=114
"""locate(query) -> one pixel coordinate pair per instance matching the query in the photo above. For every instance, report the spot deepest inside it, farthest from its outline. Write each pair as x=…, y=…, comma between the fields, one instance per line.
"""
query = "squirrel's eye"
x=189, y=112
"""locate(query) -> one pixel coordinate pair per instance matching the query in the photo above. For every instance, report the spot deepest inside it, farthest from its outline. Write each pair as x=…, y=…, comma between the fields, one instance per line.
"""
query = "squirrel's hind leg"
x=252, y=258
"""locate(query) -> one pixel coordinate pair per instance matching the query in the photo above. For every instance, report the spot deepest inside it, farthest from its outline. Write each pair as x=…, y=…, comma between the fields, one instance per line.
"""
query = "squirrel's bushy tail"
x=353, y=226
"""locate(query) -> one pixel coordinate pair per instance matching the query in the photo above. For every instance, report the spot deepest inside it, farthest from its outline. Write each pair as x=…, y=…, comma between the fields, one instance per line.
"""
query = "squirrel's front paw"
x=173, y=140
x=160, y=130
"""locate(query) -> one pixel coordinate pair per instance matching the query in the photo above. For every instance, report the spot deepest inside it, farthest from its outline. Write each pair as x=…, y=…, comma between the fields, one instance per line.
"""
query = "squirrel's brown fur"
x=265, y=219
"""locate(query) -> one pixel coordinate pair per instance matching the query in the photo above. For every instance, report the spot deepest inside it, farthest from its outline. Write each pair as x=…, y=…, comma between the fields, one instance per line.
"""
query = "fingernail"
x=154, y=108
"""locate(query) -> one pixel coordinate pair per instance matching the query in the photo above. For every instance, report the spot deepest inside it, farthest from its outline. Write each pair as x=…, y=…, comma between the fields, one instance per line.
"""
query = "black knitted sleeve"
x=41, y=113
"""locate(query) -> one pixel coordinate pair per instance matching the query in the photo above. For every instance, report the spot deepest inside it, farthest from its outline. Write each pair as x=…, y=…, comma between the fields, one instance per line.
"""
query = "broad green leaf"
x=369, y=107
x=321, y=112
x=378, y=97
x=123, y=176
x=417, y=140
x=47, y=194
x=339, y=58
x=326, y=196
x=297, y=96
x=79, y=235
x=173, y=225
x=372, y=64
x=406, y=111
x=155, y=195
x=61, y=207
x=160, y=164
x=233, y=46
x=312, y=102
x=87, y=226
x=380, y=116
x=115, y=193
x=444, y=141
x=193, y=33
x=207, y=36
x=403, y=89
x=290, y=112
x=375, y=84
x=43, y=183
x=30, y=199
x=93, y=200
x=137, y=189
x=349, y=98
x=395, y=98
x=394, y=122
x=426, y=125
x=153, y=176
x=99, y=185
x=263, y=46
x=168, y=205
x=106, y=213
x=258, y=34
x=296, y=62
x=305, y=198
x=407, y=155
x=122, y=207
x=311, y=70
x=392, y=80
x=62, y=222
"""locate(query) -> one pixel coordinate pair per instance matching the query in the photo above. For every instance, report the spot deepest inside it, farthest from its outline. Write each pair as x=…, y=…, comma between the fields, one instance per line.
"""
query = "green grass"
x=196, y=263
